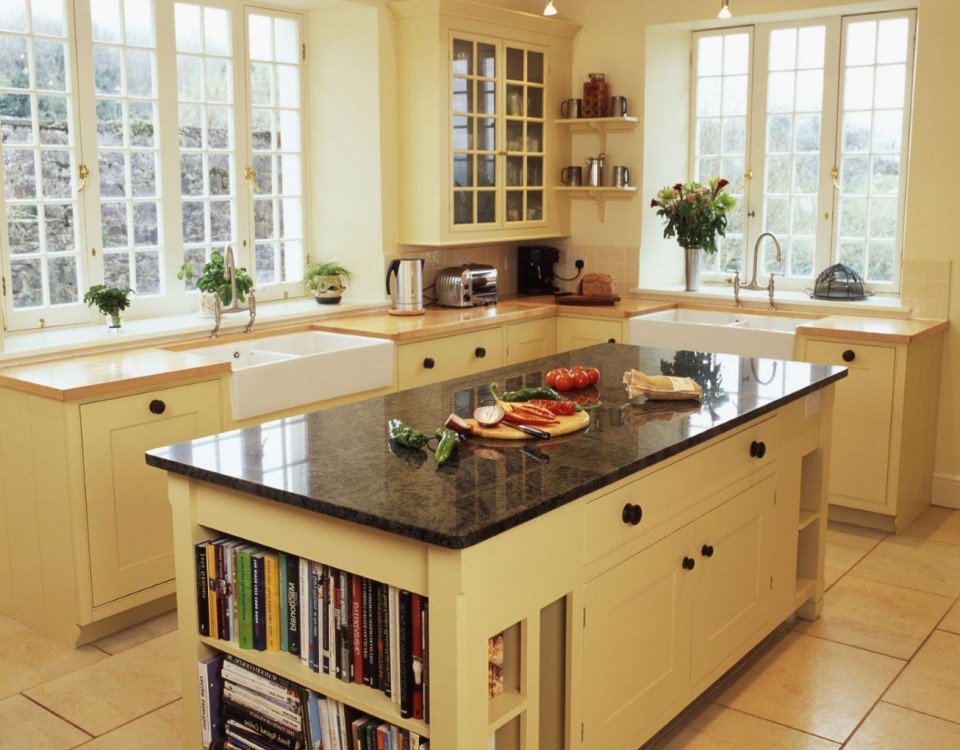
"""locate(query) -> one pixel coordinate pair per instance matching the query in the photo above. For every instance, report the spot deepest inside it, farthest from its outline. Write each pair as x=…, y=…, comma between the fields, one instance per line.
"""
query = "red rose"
x=678, y=187
x=654, y=203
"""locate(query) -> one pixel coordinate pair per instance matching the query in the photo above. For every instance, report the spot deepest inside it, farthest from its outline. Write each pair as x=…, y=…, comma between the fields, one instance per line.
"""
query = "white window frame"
x=174, y=298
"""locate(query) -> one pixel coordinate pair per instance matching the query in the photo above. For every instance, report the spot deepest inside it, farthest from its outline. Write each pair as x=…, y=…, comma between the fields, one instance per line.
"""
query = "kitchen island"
x=630, y=564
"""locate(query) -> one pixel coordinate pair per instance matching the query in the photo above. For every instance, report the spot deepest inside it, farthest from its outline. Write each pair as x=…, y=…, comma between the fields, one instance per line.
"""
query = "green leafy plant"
x=109, y=300
x=318, y=269
x=213, y=278
x=696, y=214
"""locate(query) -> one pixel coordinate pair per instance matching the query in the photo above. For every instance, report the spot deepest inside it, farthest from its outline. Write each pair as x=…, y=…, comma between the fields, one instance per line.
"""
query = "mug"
x=572, y=176
x=571, y=109
x=618, y=106
x=621, y=177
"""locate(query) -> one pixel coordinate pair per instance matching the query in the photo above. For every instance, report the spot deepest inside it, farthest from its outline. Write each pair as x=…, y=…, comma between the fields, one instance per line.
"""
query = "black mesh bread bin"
x=840, y=282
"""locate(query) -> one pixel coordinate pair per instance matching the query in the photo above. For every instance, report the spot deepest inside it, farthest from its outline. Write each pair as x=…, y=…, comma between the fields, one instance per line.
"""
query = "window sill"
x=88, y=339
x=880, y=305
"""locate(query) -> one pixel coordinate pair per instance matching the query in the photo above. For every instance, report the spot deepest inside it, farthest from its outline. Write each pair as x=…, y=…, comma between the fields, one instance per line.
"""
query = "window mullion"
x=830, y=148
x=243, y=126
x=754, y=210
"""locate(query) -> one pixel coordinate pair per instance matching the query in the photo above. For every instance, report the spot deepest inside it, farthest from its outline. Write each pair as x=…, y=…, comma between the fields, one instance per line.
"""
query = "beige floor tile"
x=930, y=683
x=134, y=636
x=813, y=685
x=159, y=730
x=24, y=724
x=720, y=728
x=922, y=564
x=952, y=621
x=839, y=559
x=849, y=535
x=893, y=728
x=941, y=524
x=116, y=690
x=877, y=616
x=28, y=658
x=8, y=626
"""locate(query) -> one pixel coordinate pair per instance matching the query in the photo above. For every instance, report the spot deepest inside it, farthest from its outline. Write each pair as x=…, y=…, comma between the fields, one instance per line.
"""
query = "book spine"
x=346, y=639
x=271, y=570
x=293, y=604
x=312, y=660
x=206, y=727
x=336, y=605
x=356, y=622
x=316, y=595
x=259, y=603
x=417, y=653
x=304, y=612
x=369, y=633
x=265, y=674
x=406, y=656
x=223, y=619
x=425, y=607
x=284, y=604
x=383, y=674
x=233, y=605
x=203, y=590
x=245, y=599
x=323, y=603
x=262, y=725
x=393, y=618
x=212, y=588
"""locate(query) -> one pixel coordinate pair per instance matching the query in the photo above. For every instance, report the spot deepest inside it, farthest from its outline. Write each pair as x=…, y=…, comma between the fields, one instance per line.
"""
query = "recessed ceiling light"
x=549, y=10
x=724, y=10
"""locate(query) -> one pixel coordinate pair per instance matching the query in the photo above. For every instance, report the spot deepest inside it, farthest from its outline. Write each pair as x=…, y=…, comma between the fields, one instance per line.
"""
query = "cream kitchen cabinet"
x=479, y=91
x=433, y=360
x=884, y=427
x=574, y=333
x=530, y=340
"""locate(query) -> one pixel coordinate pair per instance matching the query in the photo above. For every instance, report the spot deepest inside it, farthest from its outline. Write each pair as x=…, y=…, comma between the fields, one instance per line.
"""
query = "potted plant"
x=213, y=280
x=325, y=278
x=109, y=300
x=696, y=215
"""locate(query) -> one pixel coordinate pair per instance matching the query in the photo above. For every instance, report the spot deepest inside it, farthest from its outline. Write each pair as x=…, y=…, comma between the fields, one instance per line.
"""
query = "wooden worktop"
x=880, y=330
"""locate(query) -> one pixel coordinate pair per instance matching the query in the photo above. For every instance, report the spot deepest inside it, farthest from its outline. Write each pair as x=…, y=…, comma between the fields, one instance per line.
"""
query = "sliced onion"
x=489, y=416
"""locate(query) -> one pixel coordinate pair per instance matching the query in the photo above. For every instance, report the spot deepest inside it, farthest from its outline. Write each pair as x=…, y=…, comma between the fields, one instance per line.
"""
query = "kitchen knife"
x=529, y=430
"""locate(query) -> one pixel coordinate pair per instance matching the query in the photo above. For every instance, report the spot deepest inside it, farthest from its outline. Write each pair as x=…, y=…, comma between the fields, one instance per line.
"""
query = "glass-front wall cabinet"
x=498, y=91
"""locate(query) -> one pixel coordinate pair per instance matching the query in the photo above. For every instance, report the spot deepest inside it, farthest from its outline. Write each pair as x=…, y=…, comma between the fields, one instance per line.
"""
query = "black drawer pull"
x=758, y=449
x=429, y=363
x=849, y=355
x=157, y=406
x=480, y=352
x=611, y=341
x=632, y=514
x=707, y=550
x=689, y=563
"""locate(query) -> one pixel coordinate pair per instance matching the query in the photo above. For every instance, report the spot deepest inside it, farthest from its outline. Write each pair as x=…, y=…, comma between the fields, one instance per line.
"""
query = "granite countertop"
x=339, y=461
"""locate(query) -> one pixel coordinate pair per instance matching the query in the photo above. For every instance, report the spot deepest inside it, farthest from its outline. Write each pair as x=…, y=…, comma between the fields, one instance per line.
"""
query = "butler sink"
x=275, y=373
x=717, y=331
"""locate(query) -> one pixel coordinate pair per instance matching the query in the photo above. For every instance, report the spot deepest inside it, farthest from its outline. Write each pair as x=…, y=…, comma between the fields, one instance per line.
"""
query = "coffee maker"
x=535, y=269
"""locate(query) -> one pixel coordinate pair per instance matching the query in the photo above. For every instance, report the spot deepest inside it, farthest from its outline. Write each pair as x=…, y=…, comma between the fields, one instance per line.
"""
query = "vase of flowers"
x=696, y=215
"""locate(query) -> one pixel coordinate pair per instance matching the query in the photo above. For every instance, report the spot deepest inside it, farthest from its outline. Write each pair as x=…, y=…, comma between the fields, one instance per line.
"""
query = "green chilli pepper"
x=527, y=394
x=404, y=435
x=448, y=446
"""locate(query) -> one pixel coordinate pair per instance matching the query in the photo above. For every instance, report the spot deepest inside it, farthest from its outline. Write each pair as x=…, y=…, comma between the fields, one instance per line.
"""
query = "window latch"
x=251, y=175
x=834, y=174
x=748, y=175
x=83, y=172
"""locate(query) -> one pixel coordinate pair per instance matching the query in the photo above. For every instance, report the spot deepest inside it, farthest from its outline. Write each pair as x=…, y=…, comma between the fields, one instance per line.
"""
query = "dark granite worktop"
x=339, y=461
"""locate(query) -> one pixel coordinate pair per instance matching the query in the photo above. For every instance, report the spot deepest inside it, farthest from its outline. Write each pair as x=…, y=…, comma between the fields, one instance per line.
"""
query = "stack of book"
x=249, y=708
x=338, y=623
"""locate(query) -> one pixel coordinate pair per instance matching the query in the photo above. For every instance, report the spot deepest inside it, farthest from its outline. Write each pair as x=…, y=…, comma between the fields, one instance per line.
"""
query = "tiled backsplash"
x=622, y=263
x=502, y=257
x=926, y=288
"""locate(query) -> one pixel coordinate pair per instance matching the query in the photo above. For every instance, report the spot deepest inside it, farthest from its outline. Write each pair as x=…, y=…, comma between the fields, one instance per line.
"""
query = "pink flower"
x=692, y=198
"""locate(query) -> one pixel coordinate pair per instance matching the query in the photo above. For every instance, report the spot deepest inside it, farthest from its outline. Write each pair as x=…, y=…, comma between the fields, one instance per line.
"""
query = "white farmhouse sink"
x=296, y=369
x=708, y=331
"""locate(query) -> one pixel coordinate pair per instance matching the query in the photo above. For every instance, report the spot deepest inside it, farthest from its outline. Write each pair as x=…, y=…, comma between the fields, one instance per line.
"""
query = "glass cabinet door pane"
x=486, y=207
x=514, y=101
x=462, y=57
x=486, y=97
x=514, y=64
x=535, y=205
x=515, y=171
x=486, y=134
x=463, y=207
x=514, y=205
x=535, y=171
x=462, y=95
x=487, y=170
x=463, y=170
x=535, y=137
x=534, y=102
x=535, y=67
x=462, y=133
x=486, y=60
x=514, y=135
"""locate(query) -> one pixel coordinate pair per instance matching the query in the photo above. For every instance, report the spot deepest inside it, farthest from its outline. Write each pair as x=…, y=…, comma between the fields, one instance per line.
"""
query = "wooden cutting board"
x=585, y=299
x=567, y=425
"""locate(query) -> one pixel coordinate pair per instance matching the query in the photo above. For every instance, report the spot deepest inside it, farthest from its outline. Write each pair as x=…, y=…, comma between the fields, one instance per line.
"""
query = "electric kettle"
x=408, y=293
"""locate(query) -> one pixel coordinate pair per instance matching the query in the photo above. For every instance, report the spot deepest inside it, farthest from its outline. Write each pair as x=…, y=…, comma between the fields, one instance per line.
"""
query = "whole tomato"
x=580, y=379
x=552, y=377
x=594, y=374
x=564, y=382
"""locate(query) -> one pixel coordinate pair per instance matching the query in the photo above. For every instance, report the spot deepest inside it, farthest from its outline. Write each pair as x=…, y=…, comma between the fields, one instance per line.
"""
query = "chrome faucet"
x=230, y=272
x=737, y=286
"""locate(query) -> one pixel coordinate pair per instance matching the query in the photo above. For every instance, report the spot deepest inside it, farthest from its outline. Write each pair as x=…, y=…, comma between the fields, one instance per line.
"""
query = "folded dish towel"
x=661, y=387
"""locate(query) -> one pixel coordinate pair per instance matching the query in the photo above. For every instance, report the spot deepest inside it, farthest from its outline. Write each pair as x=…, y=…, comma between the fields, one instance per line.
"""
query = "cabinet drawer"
x=531, y=340
x=576, y=333
x=613, y=519
x=428, y=362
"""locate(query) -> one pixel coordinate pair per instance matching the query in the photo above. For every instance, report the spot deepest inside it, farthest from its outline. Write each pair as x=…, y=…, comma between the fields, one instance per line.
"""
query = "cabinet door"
x=525, y=95
x=431, y=361
x=531, y=340
x=862, y=419
x=576, y=333
x=636, y=646
x=128, y=514
x=732, y=586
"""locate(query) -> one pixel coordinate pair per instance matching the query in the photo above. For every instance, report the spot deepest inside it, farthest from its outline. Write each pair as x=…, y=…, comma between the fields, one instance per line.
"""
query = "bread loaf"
x=598, y=285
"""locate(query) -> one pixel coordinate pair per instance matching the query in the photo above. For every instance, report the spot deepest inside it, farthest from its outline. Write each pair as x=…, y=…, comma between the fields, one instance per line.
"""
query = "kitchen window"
x=141, y=134
x=809, y=121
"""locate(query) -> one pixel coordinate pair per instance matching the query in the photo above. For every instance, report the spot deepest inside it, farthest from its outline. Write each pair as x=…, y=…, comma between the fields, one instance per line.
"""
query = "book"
x=212, y=588
x=425, y=607
x=382, y=643
x=265, y=727
x=345, y=637
x=405, y=615
x=242, y=738
x=223, y=620
x=284, y=604
x=259, y=597
x=416, y=640
x=393, y=618
x=311, y=625
x=316, y=595
x=293, y=604
x=211, y=690
x=356, y=623
x=245, y=597
x=271, y=575
x=203, y=589
x=312, y=723
x=367, y=642
x=304, y=580
x=324, y=603
x=233, y=606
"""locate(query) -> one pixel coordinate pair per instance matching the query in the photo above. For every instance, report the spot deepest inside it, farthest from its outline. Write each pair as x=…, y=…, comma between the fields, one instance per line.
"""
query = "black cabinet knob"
x=157, y=406
x=429, y=363
x=849, y=355
x=480, y=352
x=632, y=514
x=758, y=449
x=707, y=550
x=611, y=341
x=689, y=563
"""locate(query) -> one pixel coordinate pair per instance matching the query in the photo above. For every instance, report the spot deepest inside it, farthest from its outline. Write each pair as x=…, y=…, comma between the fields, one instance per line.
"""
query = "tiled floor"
x=880, y=669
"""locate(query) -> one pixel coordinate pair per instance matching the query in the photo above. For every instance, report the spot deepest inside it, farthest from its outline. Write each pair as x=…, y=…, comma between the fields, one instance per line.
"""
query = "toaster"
x=467, y=285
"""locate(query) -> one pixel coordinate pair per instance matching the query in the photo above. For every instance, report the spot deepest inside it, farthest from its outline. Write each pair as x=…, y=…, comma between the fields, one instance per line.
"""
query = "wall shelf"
x=600, y=194
x=505, y=707
x=601, y=126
